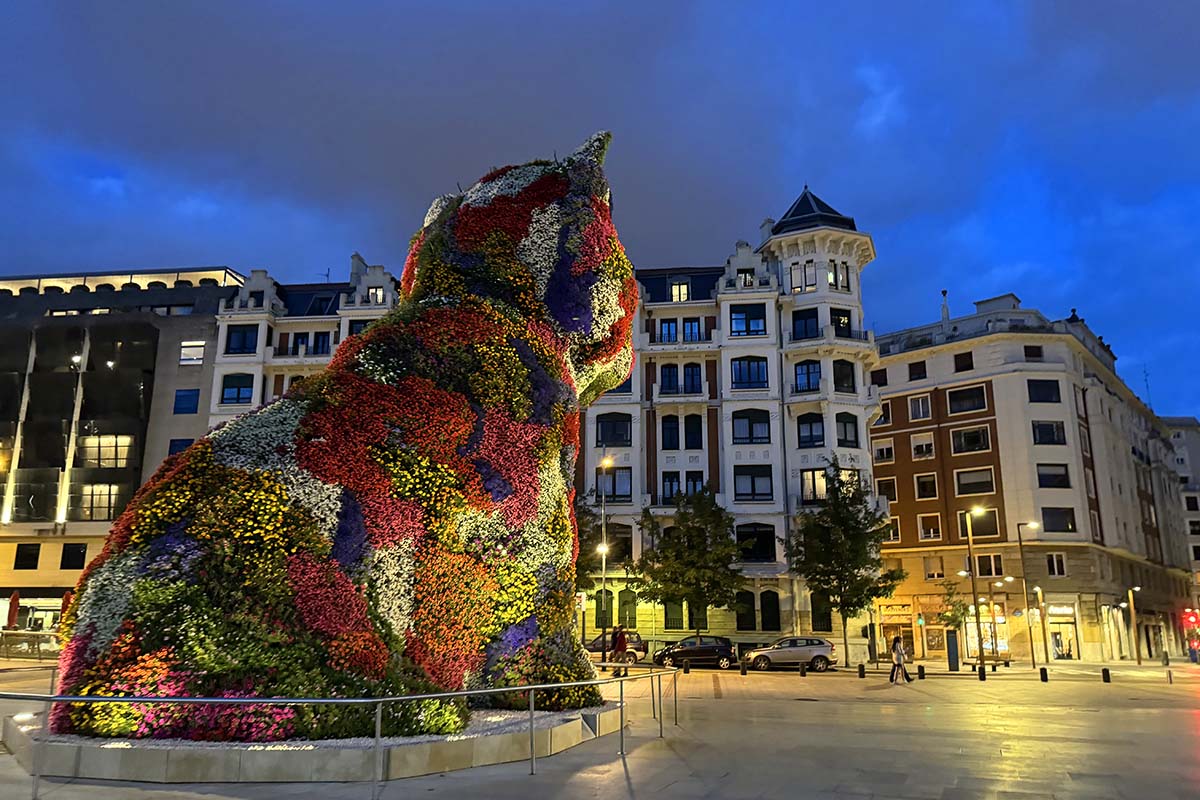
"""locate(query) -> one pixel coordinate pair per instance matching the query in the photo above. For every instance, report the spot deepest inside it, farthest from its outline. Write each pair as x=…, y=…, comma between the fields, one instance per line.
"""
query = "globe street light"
x=975, y=512
x=1033, y=526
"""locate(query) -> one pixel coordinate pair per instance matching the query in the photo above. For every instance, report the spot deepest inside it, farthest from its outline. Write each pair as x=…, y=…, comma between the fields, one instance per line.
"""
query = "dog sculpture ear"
x=594, y=149
x=437, y=207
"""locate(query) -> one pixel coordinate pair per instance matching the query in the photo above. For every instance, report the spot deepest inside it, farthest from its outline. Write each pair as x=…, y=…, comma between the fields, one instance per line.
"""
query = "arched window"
x=749, y=372
x=693, y=432
x=847, y=429
x=768, y=602
x=627, y=608
x=693, y=382
x=669, y=384
x=822, y=613
x=752, y=426
x=614, y=430
x=810, y=429
x=672, y=616
x=808, y=376
x=603, y=601
x=620, y=542
x=670, y=432
x=757, y=542
x=744, y=608
x=697, y=618
x=843, y=376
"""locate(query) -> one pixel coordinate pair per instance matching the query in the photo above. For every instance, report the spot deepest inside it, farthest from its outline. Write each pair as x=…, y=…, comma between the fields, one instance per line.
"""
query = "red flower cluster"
x=408, y=277
x=328, y=602
x=511, y=449
x=454, y=596
x=509, y=215
x=597, y=239
x=361, y=652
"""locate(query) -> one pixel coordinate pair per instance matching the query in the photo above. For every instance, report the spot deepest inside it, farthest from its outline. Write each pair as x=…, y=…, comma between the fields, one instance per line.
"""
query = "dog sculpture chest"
x=401, y=522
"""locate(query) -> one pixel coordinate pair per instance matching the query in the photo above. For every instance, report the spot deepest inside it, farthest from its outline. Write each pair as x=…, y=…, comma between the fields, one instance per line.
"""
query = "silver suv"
x=792, y=651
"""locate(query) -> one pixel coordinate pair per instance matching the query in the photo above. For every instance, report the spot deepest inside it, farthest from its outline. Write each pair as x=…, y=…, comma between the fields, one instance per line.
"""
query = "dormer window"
x=745, y=277
x=680, y=291
x=375, y=295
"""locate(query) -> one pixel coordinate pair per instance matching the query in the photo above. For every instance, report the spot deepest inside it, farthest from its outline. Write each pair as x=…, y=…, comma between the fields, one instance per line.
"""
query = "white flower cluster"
x=322, y=500
x=539, y=249
x=106, y=597
x=391, y=585
x=535, y=547
x=508, y=184
x=437, y=207
x=489, y=530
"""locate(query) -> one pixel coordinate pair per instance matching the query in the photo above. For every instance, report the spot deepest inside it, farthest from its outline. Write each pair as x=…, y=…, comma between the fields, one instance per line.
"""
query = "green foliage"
x=957, y=611
x=588, y=524
x=694, y=559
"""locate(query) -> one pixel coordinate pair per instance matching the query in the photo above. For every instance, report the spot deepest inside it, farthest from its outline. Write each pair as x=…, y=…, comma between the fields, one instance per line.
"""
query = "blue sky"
x=1043, y=148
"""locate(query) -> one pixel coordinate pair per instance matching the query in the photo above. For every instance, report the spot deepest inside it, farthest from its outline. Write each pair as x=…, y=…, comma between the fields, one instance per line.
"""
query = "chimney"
x=945, y=308
x=764, y=229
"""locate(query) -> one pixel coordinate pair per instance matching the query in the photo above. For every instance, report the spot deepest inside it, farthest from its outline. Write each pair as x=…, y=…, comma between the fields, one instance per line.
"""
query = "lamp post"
x=1033, y=526
x=1042, y=614
x=975, y=512
x=1133, y=629
x=605, y=462
x=992, y=613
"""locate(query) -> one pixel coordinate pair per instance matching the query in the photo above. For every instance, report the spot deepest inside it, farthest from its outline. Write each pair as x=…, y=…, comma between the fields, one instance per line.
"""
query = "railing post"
x=39, y=749
x=675, y=694
x=377, y=773
x=653, y=708
x=532, y=748
x=621, y=701
x=660, y=705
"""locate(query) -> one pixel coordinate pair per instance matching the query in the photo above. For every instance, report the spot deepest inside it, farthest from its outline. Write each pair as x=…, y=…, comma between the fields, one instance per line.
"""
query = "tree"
x=693, y=560
x=837, y=548
x=587, y=563
x=955, y=611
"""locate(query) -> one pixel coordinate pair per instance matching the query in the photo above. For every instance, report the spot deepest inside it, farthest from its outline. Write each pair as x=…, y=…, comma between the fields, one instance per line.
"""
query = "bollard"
x=1007, y=664
x=1105, y=675
x=1044, y=675
x=1166, y=659
x=993, y=667
x=803, y=670
x=1170, y=677
x=687, y=666
x=743, y=666
x=920, y=672
x=982, y=672
x=862, y=670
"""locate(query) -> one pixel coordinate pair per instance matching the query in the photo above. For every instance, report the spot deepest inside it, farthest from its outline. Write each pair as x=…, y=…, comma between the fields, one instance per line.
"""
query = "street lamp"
x=1133, y=629
x=1033, y=526
x=977, y=511
x=605, y=462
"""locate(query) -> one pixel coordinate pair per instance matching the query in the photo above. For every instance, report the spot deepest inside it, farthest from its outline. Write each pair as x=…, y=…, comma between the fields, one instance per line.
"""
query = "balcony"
x=299, y=355
x=850, y=333
x=684, y=341
x=803, y=389
x=828, y=335
x=681, y=392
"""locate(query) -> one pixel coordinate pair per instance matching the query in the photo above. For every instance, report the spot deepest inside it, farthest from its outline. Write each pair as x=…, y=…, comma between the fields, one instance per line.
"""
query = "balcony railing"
x=685, y=338
x=750, y=385
x=850, y=333
x=804, y=388
x=804, y=336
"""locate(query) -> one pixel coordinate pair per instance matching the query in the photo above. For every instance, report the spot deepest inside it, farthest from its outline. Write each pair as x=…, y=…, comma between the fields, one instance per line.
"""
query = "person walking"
x=898, y=670
x=620, y=642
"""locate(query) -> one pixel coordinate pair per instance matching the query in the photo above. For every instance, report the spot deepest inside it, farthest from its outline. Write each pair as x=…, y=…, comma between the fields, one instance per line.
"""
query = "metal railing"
x=652, y=673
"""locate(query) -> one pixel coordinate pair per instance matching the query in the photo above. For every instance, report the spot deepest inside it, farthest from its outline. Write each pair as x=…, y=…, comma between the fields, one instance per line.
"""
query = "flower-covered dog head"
x=539, y=239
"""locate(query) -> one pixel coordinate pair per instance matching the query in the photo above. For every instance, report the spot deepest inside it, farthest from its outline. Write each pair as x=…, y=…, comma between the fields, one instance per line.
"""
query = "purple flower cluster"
x=350, y=539
x=170, y=557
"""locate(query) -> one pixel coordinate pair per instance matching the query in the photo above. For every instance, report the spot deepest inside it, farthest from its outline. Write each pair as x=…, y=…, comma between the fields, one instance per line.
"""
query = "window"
x=670, y=432
x=357, y=326
x=847, y=429
x=104, y=452
x=1196, y=552
x=693, y=383
x=840, y=319
x=1033, y=352
x=929, y=527
x=670, y=486
x=916, y=371
x=879, y=377
x=748, y=320
x=695, y=482
x=668, y=330
x=882, y=451
x=743, y=606
x=922, y=446
x=1058, y=520
x=805, y=325
x=98, y=501
x=752, y=483
x=750, y=372
x=241, y=340
x=27, y=556
x=839, y=275
x=886, y=487
x=375, y=295
x=1192, y=503
x=625, y=387
x=627, y=608
x=934, y=568
x=1049, y=432
x=768, y=603
x=822, y=612
x=1194, y=527
x=752, y=426
x=321, y=342
x=843, y=376
x=964, y=362
x=918, y=407
x=990, y=566
x=616, y=483
x=603, y=601
x=299, y=344
x=178, y=446
x=74, y=556
x=1056, y=565
x=187, y=401
x=970, y=440
x=974, y=481
x=698, y=621
x=1053, y=476
x=745, y=277
x=808, y=376
x=680, y=291
x=885, y=414
x=691, y=329
x=614, y=430
x=986, y=524
x=960, y=401
x=893, y=530
x=672, y=615
x=693, y=432
x=1043, y=391
x=669, y=382
x=237, y=389
x=812, y=486
x=757, y=542
x=191, y=352
x=926, y=486
x=810, y=430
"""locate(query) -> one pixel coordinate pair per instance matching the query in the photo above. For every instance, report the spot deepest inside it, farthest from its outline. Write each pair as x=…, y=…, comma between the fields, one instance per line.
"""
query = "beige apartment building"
x=1185, y=436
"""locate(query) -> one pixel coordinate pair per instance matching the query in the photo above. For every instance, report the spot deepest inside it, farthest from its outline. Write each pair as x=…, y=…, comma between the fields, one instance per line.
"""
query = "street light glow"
x=962, y=573
x=1009, y=579
x=999, y=584
x=1033, y=526
x=977, y=511
x=1137, y=588
x=602, y=549
x=606, y=462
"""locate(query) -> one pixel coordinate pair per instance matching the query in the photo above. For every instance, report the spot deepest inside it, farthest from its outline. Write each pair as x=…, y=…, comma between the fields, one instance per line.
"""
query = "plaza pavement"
x=828, y=736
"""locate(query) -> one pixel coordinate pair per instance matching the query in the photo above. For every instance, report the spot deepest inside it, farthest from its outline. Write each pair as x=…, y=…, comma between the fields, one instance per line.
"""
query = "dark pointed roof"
x=810, y=211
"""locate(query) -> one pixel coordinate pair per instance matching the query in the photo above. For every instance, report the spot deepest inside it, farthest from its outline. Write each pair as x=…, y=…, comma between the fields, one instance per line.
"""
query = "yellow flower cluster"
x=514, y=601
x=504, y=383
x=435, y=486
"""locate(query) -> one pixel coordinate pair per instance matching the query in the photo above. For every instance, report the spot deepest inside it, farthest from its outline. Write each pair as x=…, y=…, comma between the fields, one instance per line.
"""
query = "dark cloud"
x=1039, y=147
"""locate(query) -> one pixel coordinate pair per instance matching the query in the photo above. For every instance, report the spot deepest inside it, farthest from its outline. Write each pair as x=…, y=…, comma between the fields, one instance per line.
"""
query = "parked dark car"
x=712, y=651
x=635, y=647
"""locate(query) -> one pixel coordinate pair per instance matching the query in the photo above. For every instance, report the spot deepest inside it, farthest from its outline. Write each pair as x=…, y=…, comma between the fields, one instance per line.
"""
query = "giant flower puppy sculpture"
x=402, y=522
